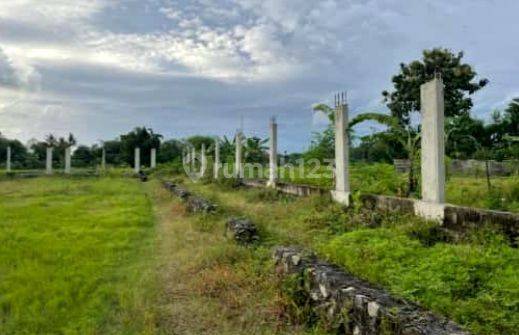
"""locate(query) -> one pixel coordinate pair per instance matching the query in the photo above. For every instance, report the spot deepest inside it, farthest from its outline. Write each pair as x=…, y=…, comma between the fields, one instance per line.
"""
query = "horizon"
x=98, y=70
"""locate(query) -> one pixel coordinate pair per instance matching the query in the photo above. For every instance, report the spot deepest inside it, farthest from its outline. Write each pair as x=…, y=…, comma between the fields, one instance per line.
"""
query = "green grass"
x=477, y=285
x=474, y=281
x=383, y=179
x=71, y=255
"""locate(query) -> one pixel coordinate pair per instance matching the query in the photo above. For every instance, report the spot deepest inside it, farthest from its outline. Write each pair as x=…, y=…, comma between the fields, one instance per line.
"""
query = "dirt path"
x=207, y=284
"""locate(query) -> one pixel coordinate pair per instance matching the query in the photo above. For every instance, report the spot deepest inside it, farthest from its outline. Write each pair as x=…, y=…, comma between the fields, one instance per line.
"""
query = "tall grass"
x=474, y=280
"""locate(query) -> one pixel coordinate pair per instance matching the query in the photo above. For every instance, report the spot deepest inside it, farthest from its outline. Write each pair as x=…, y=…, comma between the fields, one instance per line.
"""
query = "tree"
x=464, y=136
x=169, y=151
x=457, y=77
x=84, y=156
x=255, y=150
x=512, y=118
x=227, y=148
x=140, y=137
x=198, y=140
x=406, y=135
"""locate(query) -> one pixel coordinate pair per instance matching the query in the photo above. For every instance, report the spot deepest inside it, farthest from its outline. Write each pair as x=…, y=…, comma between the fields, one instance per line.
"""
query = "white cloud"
x=15, y=74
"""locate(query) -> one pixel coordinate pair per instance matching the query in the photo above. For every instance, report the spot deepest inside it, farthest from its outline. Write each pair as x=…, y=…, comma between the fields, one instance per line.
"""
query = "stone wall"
x=294, y=189
x=455, y=218
x=469, y=167
x=352, y=306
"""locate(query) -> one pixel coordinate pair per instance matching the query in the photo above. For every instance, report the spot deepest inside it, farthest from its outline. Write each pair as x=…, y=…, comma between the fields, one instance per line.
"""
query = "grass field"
x=115, y=256
x=71, y=253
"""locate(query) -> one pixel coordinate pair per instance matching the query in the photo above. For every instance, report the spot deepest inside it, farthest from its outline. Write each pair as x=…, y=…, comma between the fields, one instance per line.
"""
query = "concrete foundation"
x=48, y=163
x=273, y=154
x=137, y=160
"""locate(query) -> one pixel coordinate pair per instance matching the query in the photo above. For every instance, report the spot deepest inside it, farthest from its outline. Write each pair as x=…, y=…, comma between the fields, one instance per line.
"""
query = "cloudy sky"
x=100, y=67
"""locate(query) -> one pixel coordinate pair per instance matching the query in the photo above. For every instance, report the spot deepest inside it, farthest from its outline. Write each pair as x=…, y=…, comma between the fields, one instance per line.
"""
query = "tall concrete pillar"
x=433, y=151
x=68, y=151
x=137, y=160
x=48, y=164
x=341, y=194
x=153, y=158
x=203, y=160
x=216, y=159
x=238, y=164
x=8, y=162
x=273, y=153
x=193, y=158
x=103, y=159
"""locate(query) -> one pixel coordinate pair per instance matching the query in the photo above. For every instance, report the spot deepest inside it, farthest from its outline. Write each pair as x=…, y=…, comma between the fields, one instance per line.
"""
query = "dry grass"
x=209, y=285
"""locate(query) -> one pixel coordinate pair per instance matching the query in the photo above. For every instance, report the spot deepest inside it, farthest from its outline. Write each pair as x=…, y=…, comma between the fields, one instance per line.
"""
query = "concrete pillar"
x=103, y=159
x=273, y=153
x=137, y=160
x=68, y=151
x=341, y=194
x=8, y=163
x=433, y=151
x=153, y=158
x=48, y=164
x=238, y=164
x=193, y=158
x=203, y=160
x=216, y=159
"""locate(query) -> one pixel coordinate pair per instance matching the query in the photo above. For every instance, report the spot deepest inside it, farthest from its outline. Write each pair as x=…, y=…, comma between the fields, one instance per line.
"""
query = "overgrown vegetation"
x=472, y=280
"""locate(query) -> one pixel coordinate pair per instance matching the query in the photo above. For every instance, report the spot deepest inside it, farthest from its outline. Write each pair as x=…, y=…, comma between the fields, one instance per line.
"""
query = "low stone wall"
x=294, y=189
x=457, y=219
x=387, y=203
x=352, y=306
x=460, y=219
x=454, y=218
x=243, y=231
x=194, y=204
x=197, y=204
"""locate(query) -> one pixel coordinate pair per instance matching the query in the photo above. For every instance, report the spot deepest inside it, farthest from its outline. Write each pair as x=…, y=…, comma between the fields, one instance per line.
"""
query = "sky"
x=98, y=68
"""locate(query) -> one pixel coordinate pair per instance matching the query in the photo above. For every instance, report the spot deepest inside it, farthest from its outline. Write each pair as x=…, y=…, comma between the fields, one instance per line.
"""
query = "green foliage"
x=476, y=285
x=143, y=138
x=458, y=78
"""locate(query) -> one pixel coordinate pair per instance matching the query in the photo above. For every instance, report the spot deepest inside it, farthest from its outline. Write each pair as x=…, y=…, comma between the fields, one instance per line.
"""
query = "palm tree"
x=255, y=149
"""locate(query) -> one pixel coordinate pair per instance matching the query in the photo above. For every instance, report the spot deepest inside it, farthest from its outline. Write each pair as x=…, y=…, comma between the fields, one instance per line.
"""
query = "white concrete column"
x=137, y=160
x=273, y=153
x=153, y=158
x=341, y=194
x=203, y=160
x=433, y=151
x=217, y=158
x=238, y=164
x=193, y=158
x=48, y=165
x=68, y=151
x=8, y=162
x=103, y=159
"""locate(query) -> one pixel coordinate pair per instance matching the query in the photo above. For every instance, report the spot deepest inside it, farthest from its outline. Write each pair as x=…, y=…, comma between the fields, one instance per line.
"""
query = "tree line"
x=466, y=137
